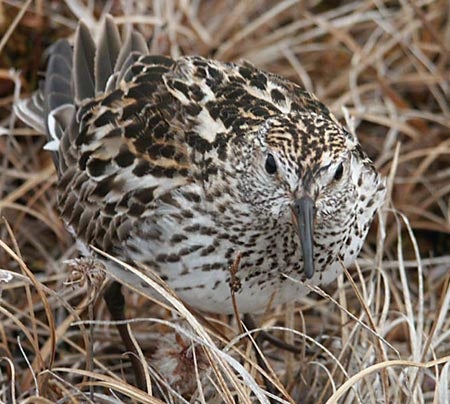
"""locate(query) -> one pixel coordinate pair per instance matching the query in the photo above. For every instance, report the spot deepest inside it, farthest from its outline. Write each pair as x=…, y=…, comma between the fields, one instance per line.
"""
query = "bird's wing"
x=118, y=149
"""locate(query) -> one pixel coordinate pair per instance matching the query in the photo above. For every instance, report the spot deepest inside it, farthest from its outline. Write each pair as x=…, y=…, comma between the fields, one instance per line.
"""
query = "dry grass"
x=381, y=334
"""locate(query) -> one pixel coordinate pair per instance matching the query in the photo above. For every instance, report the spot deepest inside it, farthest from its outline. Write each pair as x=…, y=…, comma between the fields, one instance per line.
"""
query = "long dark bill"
x=304, y=212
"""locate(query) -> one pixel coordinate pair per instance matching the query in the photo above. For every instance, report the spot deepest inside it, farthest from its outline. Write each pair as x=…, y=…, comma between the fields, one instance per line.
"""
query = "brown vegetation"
x=380, y=334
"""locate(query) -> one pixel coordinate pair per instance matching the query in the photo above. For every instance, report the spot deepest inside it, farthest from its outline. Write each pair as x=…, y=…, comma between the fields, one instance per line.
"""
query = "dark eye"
x=338, y=173
x=271, y=165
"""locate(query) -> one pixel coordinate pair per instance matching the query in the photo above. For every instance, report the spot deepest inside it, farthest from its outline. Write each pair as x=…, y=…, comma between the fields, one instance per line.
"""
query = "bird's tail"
x=72, y=76
x=46, y=110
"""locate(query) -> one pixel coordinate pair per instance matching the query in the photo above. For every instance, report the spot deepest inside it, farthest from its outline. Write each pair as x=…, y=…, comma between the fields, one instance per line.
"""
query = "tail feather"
x=83, y=60
x=133, y=46
x=57, y=95
x=60, y=61
x=58, y=77
x=134, y=42
x=58, y=120
x=31, y=111
x=107, y=52
x=74, y=75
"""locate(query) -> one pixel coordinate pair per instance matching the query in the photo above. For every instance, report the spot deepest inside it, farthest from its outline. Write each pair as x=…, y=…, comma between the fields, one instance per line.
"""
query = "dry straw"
x=380, y=334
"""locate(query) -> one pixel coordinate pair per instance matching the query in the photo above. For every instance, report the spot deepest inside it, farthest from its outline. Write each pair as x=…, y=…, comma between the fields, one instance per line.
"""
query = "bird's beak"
x=303, y=216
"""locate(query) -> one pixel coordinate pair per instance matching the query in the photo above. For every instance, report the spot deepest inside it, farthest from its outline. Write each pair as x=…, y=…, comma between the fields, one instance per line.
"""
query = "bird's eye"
x=339, y=171
x=271, y=165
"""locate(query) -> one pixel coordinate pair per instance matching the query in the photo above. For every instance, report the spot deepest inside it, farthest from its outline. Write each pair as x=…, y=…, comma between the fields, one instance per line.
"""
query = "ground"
x=381, y=333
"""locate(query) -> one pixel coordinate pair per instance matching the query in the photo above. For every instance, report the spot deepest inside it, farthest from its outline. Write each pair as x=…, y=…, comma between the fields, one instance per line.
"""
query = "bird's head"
x=307, y=168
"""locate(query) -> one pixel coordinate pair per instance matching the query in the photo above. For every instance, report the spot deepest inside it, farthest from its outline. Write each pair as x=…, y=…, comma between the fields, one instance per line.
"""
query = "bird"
x=190, y=165
x=185, y=164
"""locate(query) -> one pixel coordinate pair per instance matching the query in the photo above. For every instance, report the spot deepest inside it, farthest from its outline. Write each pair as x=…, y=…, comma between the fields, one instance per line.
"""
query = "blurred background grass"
x=382, y=67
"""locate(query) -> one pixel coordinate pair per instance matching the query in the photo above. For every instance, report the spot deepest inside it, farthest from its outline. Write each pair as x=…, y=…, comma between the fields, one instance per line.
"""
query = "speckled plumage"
x=185, y=164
